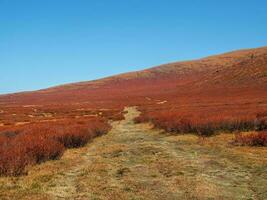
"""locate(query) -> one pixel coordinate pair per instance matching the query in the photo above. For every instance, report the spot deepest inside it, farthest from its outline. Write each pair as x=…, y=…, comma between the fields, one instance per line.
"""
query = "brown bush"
x=203, y=123
x=36, y=143
x=27, y=150
x=251, y=139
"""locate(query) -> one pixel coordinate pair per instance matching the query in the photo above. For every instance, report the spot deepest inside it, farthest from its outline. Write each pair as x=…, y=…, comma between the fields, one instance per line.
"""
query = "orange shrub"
x=17, y=154
x=36, y=143
x=251, y=139
x=203, y=122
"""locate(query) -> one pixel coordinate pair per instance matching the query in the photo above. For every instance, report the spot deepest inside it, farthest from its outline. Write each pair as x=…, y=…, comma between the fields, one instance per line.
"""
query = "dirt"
x=134, y=161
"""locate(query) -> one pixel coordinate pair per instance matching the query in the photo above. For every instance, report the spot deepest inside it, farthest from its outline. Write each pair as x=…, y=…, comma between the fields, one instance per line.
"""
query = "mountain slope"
x=244, y=70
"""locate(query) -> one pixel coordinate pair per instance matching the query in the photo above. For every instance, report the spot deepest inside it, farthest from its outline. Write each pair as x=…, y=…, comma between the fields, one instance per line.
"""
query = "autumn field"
x=211, y=105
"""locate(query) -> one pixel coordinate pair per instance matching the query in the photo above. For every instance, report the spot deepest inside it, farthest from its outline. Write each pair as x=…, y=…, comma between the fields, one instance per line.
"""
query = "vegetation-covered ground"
x=134, y=161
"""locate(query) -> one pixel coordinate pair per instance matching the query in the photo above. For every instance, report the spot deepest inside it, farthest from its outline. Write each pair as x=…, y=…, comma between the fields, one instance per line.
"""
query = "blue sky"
x=49, y=42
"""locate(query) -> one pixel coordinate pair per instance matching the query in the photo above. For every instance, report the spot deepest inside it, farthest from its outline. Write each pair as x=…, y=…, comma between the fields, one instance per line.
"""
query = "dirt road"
x=134, y=161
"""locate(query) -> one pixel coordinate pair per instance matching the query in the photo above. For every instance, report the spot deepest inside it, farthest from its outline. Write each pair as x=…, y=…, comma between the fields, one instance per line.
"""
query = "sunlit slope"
x=243, y=72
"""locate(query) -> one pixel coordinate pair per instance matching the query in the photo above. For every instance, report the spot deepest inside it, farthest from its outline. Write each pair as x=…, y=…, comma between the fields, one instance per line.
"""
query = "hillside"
x=185, y=130
x=233, y=84
x=244, y=70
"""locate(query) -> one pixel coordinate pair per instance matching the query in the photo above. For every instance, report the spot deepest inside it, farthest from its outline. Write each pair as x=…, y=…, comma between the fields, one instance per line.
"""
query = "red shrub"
x=73, y=136
x=27, y=150
x=36, y=143
x=251, y=139
x=13, y=161
x=205, y=122
x=40, y=149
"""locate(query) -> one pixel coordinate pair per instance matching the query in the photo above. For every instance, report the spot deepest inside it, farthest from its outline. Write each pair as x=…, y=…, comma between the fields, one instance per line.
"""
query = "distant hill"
x=238, y=72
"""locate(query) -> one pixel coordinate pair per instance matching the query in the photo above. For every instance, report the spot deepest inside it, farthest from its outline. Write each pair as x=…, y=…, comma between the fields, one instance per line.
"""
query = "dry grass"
x=134, y=161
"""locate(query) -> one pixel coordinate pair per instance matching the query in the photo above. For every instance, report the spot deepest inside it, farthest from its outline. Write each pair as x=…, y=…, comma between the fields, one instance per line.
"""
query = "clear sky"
x=49, y=42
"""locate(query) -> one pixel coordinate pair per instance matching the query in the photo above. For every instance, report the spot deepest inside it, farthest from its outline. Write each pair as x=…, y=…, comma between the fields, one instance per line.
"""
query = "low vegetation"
x=35, y=143
x=225, y=93
x=134, y=161
x=251, y=139
x=205, y=123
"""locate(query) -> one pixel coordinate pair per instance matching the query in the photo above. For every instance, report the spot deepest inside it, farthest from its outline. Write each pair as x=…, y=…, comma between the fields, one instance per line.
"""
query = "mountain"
x=242, y=72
